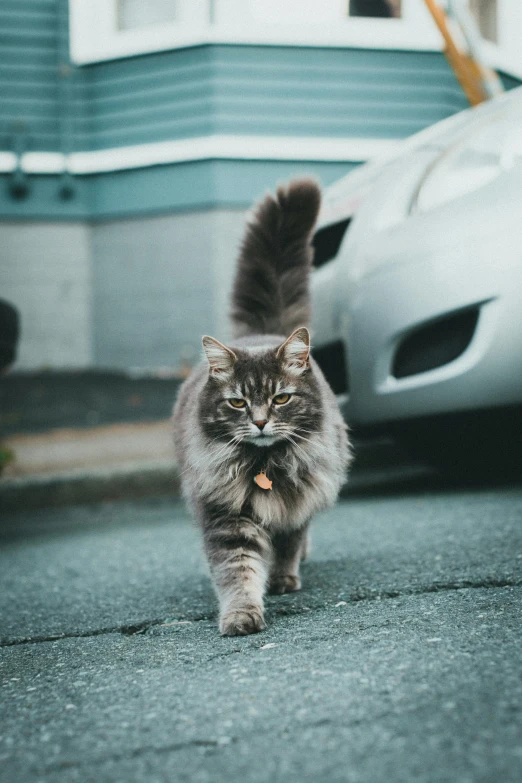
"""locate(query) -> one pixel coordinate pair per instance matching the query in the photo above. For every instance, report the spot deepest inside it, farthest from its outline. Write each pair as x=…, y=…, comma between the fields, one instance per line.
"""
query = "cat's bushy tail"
x=271, y=289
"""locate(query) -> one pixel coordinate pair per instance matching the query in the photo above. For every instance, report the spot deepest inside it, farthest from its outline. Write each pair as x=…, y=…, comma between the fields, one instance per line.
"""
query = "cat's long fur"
x=255, y=538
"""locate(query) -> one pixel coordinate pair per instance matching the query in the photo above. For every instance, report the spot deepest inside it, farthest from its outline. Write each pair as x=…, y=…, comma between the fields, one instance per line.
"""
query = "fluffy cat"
x=259, y=412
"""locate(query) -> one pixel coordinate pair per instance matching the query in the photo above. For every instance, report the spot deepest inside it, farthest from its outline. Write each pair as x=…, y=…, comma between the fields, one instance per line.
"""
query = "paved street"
x=399, y=660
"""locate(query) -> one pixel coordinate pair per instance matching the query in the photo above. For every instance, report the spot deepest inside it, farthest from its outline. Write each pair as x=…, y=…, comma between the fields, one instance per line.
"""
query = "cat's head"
x=261, y=396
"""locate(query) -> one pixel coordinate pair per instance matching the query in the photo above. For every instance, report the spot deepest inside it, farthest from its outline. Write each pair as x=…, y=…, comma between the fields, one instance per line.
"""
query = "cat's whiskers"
x=297, y=434
x=214, y=456
x=302, y=437
x=231, y=443
x=289, y=438
x=286, y=430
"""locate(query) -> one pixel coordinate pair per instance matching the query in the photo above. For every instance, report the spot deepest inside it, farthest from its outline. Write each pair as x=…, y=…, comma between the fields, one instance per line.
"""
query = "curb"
x=130, y=482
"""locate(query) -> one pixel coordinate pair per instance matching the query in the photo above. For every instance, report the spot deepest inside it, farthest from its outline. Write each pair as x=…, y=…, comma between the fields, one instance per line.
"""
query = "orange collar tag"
x=262, y=481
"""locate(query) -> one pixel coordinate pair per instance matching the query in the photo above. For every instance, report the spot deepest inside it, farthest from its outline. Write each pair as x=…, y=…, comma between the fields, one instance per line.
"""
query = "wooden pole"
x=468, y=71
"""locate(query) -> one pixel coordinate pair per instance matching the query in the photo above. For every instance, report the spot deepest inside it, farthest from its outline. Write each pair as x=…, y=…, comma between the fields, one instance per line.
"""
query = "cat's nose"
x=261, y=423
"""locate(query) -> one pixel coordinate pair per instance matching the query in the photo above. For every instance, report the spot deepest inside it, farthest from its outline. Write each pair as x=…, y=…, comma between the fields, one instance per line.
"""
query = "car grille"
x=435, y=344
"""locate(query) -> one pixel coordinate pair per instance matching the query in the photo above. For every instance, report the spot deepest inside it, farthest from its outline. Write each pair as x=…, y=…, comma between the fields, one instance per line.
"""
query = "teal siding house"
x=134, y=137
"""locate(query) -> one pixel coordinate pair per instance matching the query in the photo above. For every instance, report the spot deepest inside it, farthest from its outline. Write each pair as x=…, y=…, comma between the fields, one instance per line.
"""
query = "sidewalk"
x=116, y=446
x=79, y=465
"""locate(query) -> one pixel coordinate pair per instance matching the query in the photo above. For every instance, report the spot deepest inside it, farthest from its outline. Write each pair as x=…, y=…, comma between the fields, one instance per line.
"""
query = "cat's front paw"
x=240, y=622
x=284, y=583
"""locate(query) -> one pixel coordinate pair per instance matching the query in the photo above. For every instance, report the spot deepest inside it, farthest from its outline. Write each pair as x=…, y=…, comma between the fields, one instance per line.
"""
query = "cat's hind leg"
x=239, y=554
x=289, y=549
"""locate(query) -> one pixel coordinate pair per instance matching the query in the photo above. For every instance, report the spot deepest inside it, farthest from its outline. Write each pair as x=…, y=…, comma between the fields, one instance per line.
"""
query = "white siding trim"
x=94, y=36
x=384, y=34
x=277, y=148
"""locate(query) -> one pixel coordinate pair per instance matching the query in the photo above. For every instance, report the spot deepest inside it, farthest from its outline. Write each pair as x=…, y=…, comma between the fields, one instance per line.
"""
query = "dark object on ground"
x=9, y=333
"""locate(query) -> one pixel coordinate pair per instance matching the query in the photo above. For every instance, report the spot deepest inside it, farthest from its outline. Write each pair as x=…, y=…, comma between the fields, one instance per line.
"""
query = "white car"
x=417, y=287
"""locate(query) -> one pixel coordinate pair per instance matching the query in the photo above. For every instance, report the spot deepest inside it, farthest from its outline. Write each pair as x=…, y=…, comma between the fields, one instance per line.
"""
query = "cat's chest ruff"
x=269, y=508
x=268, y=501
x=291, y=495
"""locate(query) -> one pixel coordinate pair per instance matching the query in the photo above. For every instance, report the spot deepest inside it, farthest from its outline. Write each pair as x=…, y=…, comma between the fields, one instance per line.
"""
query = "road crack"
x=363, y=594
x=359, y=595
x=137, y=752
x=129, y=629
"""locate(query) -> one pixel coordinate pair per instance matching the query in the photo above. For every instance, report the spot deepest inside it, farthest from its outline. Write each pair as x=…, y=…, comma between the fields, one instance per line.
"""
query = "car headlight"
x=472, y=161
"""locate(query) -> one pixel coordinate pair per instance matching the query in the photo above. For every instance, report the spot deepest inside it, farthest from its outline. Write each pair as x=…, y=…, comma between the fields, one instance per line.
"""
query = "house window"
x=486, y=14
x=385, y=9
x=136, y=13
x=108, y=29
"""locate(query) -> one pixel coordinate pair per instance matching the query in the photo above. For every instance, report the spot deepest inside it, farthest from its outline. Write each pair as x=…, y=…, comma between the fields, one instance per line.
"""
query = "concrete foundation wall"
x=45, y=272
x=159, y=283
x=228, y=229
x=130, y=293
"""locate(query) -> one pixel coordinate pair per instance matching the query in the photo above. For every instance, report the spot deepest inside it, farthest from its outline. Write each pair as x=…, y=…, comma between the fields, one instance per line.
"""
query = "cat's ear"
x=220, y=358
x=295, y=352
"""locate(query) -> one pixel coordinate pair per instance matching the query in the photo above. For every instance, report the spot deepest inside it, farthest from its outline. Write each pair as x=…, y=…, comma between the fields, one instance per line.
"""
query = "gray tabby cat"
x=259, y=412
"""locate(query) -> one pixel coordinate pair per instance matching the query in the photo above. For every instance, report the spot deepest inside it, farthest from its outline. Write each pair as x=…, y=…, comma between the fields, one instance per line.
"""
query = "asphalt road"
x=399, y=660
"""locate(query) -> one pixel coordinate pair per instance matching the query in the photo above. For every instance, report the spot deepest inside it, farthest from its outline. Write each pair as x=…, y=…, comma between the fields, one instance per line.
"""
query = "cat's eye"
x=280, y=399
x=237, y=402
